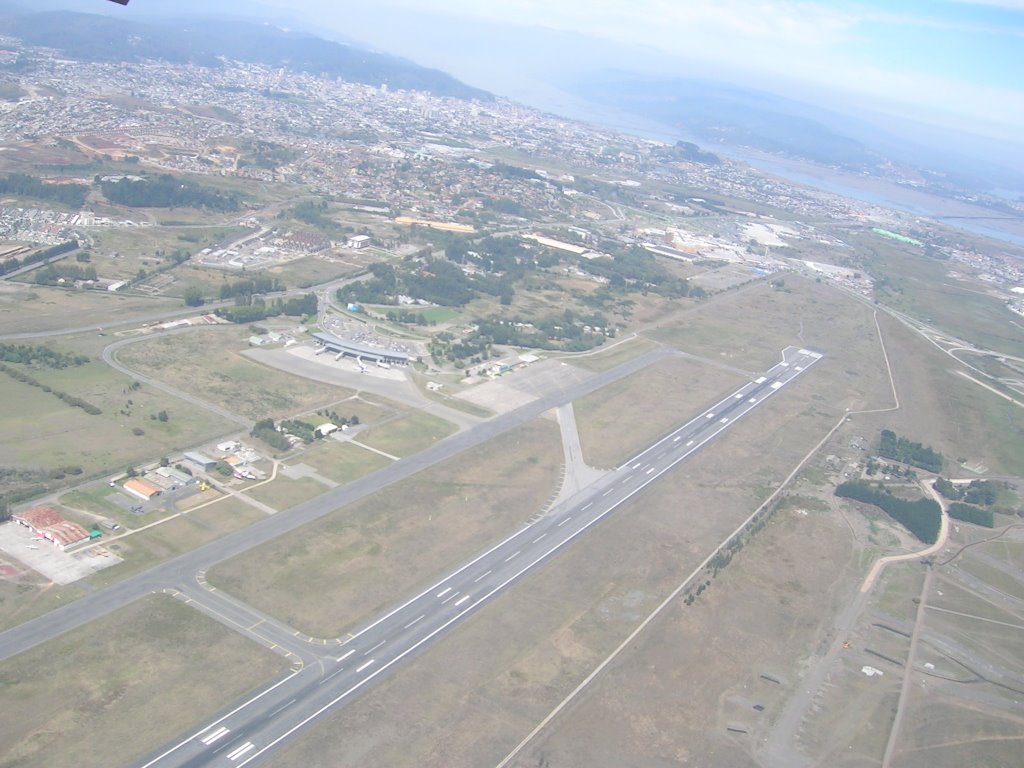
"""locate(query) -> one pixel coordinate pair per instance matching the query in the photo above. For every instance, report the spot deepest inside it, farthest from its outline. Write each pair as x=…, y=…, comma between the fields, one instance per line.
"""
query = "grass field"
x=948, y=412
x=40, y=430
x=284, y=493
x=328, y=575
x=36, y=308
x=622, y=418
x=207, y=362
x=473, y=695
x=408, y=434
x=95, y=704
x=342, y=462
x=612, y=356
x=924, y=289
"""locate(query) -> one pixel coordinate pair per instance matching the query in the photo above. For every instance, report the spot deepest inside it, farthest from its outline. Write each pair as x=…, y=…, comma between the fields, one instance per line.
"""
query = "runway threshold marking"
x=218, y=734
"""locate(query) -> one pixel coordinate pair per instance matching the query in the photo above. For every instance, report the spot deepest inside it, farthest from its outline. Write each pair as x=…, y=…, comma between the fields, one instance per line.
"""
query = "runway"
x=251, y=731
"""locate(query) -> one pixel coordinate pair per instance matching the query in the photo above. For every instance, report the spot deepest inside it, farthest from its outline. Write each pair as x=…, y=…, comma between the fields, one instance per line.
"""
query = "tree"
x=194, y=297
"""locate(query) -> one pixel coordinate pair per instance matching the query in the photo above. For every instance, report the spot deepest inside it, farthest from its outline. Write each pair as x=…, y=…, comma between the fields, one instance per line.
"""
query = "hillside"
x=89, y=37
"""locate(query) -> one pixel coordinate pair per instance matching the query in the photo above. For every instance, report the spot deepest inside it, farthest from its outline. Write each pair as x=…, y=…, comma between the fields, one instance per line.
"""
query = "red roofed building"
x=49, y=524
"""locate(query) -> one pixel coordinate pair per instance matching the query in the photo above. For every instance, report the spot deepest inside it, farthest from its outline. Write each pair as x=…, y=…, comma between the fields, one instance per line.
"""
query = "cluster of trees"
x=37, y=354
x=251, y=287
x=12, y=263
x=565, y=332
x=166, y=191
x=339, y=420
x=407, y=317
x=636, y=269
x=53, y=274
x=21, y=185
x=255, y=308
x=897, y=448
x=313, y=214
x=922, y=517
x=983, y=492
x=265, y=430
x=969, y=514
x=71, y=400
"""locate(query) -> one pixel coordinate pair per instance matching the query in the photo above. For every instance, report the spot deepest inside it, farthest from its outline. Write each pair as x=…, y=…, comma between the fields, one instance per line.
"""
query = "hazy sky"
x=959, y=62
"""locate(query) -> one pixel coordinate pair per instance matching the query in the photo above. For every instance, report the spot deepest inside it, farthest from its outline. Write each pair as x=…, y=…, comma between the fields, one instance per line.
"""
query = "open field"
x=948, y=412
x=25, y=308
x=41, y=431
x=167, y=540
x=95, y=705
x=614, y=353
x=617, y=421
x=924, y=289
x=207, y=362
x=316, y=269
x=340, y=461
x=473, y=695
x=284, y=492
x=326, y=576
x=407, y=434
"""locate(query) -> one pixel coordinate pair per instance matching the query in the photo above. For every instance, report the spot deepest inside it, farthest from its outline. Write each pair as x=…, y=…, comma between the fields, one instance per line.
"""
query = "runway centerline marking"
x=281, y=709
x=378, y=645
x=413, y=622
x=568, y=519
x=539, y=538
x=481, y=576
x=509, y=558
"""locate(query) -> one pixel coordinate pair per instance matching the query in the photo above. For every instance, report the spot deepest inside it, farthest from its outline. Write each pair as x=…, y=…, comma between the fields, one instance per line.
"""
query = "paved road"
x=182, y=569
x=251, y=732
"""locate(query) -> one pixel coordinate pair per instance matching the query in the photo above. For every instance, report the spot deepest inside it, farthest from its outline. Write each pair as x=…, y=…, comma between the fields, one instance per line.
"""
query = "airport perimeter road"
x=251, y=732
x=182, y=569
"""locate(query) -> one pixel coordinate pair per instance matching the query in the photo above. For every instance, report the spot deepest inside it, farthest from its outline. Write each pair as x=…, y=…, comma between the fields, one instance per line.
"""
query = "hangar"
x=49, y=524
x=332, y=343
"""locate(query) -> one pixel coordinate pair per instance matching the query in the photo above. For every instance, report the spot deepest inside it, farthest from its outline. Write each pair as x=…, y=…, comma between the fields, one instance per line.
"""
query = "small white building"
x=358, y=241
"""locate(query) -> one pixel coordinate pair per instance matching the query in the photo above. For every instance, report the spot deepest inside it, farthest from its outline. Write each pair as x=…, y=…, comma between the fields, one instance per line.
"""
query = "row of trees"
x=71, y=400
x=923, y=517
x=251, y=287
x=22, y=185
x=37, y=354
x=256, y=308
x=891, y=446
x=12, y=263
x=54, y=274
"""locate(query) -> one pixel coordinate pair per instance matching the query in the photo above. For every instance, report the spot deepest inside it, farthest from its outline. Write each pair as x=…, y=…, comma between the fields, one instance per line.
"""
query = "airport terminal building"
x=339, y=346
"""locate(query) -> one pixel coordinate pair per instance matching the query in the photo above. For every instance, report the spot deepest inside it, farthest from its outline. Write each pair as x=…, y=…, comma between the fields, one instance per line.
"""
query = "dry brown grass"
x=111, y=691
x=328, y=575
